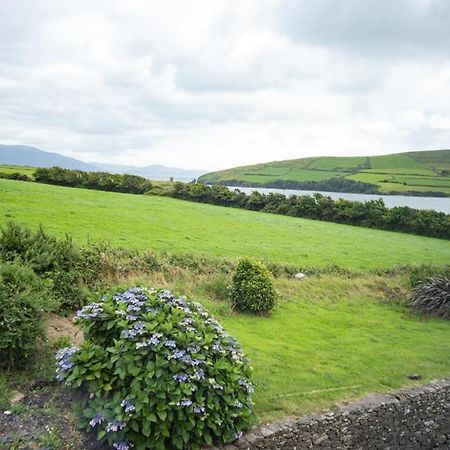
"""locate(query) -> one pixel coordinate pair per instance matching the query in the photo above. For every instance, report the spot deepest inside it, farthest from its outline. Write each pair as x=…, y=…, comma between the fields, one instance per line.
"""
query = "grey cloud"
x=207, y=83
x=376, y=28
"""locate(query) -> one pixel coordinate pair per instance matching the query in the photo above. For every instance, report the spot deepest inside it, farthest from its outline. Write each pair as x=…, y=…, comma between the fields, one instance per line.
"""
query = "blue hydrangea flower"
x=128, y=334
x=184, y=402
x=90, y=311
x=179, y=354
x=122, y=445
x=199, y=409
x=96, y=420
x=182, y=378
x=199, y=375
x=170, y=343
x=63, y=361
x=128, y=405
x=115, y=426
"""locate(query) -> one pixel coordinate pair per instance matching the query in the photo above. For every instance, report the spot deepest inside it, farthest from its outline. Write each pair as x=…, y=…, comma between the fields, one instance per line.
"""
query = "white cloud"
x=215, y=84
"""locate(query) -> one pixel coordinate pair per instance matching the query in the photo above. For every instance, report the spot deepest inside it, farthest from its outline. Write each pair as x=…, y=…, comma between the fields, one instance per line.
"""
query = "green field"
x=159, y=223
x=404, y=172
x=18, y=169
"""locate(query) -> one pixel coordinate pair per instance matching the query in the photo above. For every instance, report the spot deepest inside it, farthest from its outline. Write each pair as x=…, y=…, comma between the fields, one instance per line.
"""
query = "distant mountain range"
x=23, y=155
x=411, y=173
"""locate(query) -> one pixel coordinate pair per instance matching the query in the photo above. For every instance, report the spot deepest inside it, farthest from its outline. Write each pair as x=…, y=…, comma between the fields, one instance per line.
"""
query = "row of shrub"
x=337, y=184
x=372, y=214
x=102, y=181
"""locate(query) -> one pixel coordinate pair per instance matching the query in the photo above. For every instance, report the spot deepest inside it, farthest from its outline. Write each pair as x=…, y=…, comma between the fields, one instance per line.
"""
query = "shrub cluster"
x=159, y=372
x=23, y=301
x=433, y=297
x=15, y=176
x=102, y=181
x=252, y=287
x=51, y=259
x=372, y=214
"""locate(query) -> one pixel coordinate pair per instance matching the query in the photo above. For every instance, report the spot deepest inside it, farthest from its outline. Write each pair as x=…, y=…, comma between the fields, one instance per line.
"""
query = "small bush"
x=23, y=302
x=160, y=371
x=433, y=297
x=252, y=287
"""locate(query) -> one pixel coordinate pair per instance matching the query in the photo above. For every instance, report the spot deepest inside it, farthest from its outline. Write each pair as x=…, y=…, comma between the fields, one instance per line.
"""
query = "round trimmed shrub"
x=24, y=299
x=433, y=297
x=252, y=287
x=159, y=373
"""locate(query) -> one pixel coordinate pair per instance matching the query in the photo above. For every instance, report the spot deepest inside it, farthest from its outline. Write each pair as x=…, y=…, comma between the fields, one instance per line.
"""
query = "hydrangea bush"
x=159, y=372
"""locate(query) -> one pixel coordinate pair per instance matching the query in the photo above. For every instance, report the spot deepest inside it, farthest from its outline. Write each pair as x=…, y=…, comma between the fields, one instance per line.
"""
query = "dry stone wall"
x=409, y=419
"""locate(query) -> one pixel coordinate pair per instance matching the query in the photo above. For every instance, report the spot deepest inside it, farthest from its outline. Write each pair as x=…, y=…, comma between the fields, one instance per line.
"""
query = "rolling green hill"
x=419, y=172
x=160, y=223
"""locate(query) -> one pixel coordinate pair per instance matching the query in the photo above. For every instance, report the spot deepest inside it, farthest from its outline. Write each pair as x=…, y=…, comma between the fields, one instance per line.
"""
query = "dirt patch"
x=44, y=419
x=58, y=327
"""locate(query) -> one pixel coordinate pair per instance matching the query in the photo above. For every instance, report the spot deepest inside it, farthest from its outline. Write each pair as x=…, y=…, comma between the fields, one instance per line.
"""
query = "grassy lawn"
x=316, y=350
x=329, y=339
x=158, y=223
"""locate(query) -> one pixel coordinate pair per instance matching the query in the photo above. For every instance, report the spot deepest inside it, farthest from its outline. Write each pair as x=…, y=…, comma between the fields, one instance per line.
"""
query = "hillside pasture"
x=165, y=224
x=421, y=171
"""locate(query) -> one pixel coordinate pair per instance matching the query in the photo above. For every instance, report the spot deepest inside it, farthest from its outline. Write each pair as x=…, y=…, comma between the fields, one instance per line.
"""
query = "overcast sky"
x=213, y=84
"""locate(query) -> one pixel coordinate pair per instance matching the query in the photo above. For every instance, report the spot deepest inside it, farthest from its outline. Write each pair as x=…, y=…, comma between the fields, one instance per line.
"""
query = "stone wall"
x=410, y=419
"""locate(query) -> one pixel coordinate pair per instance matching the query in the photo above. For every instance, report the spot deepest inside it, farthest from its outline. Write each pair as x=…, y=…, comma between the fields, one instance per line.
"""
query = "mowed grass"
x=316, y=350
x=164, y=224
x=329, y=339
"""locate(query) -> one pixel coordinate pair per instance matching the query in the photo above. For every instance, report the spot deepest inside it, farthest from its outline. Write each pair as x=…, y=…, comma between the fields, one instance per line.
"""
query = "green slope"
x=402, y=172
x=159, y=223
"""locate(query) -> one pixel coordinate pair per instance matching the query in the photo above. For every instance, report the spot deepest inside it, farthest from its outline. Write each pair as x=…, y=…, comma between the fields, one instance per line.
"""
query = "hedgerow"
x=159, y=372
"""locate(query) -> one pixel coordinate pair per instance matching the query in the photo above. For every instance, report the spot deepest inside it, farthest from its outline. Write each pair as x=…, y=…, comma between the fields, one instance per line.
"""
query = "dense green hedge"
x=372, y=214
x=56, y=261
x=24, y=299
x=102, y=181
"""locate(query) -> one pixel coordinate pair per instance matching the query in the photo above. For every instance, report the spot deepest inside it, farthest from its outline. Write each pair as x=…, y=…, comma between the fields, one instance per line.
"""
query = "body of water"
x=437, y=203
